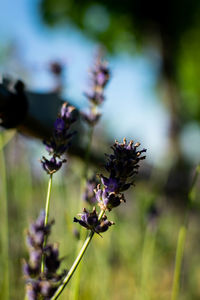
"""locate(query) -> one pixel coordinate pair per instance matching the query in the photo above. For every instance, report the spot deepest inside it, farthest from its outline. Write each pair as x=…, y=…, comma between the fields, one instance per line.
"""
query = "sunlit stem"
x=182, y=238
x=178, y=262
x=46, y=217
x=147, y=261
x=76, y=283
x=4, y=224
x=88, y=150
x=76, y=262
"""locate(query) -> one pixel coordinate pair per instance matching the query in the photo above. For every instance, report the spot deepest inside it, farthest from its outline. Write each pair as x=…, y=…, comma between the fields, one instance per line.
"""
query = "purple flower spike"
x=60, y=140
x=122, y=166
x=41, y=285
x=100, y=78
x=102, y=74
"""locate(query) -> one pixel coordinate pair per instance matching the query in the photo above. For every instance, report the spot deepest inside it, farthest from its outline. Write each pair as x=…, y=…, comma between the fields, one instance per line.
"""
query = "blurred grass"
x=134, y=259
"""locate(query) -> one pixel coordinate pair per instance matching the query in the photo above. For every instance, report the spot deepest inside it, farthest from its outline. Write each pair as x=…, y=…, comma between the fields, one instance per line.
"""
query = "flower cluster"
x=59, y=142
x=100, y=78
x=90, y=221
x=122, y=166
x=41, y=284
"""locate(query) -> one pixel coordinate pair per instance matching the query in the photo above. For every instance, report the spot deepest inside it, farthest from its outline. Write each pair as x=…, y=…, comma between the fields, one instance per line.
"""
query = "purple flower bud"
x=68, y=114
x=59, y=126
x=35, y=257
x=31, y=294
x=111, y=184
x=104, y=225
x=89, y=194
x=47, y=289
x=33, y=290
x=90, y=221
x=52, y=261
x=51, y=166
x=27, y=270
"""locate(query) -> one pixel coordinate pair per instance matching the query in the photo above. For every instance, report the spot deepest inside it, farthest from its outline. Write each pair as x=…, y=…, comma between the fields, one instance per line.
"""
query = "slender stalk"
x=4, y=225
x=178, y=262
x=182, y=238
x=88, y=150
x=76, y=262
x=46, y=216
x=147, y=261
x=76, y=282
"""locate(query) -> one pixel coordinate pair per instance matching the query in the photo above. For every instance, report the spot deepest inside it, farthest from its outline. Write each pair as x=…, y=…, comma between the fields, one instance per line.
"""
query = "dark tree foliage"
x=170, y=26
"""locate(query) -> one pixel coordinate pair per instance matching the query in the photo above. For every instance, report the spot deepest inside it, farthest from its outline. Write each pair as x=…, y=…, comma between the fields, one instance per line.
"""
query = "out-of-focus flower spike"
x=41, y=285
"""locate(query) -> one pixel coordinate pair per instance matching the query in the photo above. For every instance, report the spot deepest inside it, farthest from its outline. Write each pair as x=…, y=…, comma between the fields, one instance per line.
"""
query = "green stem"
x=178, y=262
x=76, y=262
x=182, y=238
x=76, y=282
x=4, y=225
x=147, y=262
x=46, y=216
x=87, y=153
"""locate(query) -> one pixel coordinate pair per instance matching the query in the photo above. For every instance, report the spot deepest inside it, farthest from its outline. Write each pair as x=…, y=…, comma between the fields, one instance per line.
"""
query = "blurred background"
x=153, y=97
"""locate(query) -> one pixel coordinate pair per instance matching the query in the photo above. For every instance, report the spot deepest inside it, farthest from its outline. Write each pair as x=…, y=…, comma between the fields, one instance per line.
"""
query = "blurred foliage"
x=171, y=28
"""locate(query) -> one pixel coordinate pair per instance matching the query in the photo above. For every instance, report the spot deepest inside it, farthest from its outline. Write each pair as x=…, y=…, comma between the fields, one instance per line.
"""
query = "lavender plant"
x=122, y=167
x=43, y=281
x=57, y=146
x=44, y=262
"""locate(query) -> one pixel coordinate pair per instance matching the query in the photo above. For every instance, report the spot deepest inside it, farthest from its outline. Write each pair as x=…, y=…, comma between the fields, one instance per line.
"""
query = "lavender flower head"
x=90, y=221
x=100, y=77
x=41, y=284
x=60, y=140
x=122, y=166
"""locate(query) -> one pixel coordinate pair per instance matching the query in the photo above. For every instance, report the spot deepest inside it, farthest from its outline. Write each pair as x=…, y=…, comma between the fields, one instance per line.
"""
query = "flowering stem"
x=4, y=225
x=87, y=153
x=147, y=261
x=182, y=238
x=76, y=283
x=46, y=216
x=178, y=263
x=76, y=262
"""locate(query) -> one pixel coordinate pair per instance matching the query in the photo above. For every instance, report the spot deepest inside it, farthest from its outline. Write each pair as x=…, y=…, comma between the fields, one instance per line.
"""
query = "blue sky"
x=132, y=108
